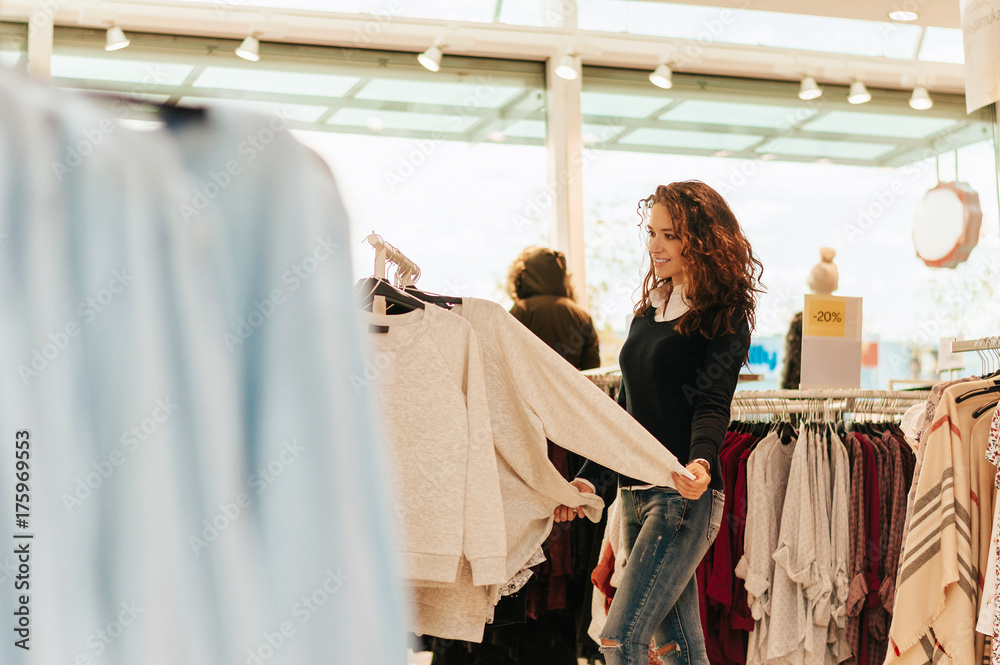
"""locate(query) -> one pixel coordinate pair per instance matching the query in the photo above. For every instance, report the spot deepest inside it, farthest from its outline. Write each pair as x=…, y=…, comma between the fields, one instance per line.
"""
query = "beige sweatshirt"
x=534, y=394
x=428, y=373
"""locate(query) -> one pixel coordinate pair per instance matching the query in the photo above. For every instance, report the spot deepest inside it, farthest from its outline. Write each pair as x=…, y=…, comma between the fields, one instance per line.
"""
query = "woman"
x=680, y=364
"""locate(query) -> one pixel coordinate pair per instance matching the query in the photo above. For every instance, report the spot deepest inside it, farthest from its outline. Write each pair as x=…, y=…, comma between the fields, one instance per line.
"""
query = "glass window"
x=13, y=45
x=397, y=120
x=812, y=193
x=719, y=116
x=621, y=105
x=704, y=25
x=943, y=45
x=735, y=113
x=684, y=139
x=259, y=79
x=298, y=112
x=878, y=124
x=461, y=211
x=828, y=149
x=514, y=12
x=479, y=92
x=532, y=129
x=521, y=12
x=453, y=171
x=121, y=69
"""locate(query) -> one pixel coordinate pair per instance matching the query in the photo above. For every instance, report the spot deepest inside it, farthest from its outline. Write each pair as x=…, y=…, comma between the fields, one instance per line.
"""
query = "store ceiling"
x=717, y=38
x=476, y=100
x=938, y=14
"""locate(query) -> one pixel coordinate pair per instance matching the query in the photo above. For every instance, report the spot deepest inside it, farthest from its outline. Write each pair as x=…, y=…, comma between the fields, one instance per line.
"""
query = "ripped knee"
x=611, y=644
x=664, y=650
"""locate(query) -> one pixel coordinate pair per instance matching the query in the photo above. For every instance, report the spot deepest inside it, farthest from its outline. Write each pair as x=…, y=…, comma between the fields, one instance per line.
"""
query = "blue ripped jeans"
x=665, y=537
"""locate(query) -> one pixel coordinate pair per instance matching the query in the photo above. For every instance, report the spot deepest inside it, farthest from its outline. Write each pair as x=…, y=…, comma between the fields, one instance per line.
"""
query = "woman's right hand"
x=568, y=513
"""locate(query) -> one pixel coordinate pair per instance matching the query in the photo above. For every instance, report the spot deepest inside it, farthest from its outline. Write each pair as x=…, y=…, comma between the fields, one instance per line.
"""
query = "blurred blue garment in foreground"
x=178, y=336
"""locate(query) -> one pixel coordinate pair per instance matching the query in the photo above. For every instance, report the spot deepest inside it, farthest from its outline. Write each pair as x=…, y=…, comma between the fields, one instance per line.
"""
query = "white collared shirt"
x=674, y=308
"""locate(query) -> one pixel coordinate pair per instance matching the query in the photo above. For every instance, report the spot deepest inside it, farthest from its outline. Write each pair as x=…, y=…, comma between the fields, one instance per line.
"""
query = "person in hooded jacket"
x=544, y=303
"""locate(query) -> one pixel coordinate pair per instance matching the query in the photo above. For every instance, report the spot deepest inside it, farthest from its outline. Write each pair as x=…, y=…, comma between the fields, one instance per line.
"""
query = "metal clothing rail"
x=981, y=344
x=834, y=393
x=407, y=272
x=827, y=403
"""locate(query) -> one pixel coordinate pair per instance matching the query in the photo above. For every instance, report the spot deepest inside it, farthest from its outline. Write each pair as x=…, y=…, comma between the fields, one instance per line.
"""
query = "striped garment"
x=939, y=584
x=923, y=432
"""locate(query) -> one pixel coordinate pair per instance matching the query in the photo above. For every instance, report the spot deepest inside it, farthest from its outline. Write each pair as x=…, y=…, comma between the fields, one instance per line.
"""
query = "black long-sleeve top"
x=680, y=389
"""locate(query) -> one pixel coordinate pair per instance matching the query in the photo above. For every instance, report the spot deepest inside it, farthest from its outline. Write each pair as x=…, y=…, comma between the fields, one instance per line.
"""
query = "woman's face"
x=664, y=246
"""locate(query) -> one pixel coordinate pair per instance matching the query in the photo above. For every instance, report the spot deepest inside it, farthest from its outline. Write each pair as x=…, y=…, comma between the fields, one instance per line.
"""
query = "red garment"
x=874, y=554
x=601, y=575
x=548, y=590
x=857, y=593
x=717, y=582
x=740, y=617
x=720, y=583
x=878, y=524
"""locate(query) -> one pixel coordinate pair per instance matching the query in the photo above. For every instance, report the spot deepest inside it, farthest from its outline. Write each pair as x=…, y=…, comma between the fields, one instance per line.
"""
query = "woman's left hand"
x=693, y=489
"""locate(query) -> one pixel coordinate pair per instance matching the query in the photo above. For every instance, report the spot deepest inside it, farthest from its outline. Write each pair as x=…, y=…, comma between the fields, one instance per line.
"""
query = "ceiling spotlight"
x=920, y=100
x=249, y=49
x=431, y=58
x=903, y=15
x=824, y=160
x=809, y=90
x=859, y=93
x=115, y=39
x=768, y=156
x=662, y=77
x=722, y=153
x=496, y=136
x=569, y=67
x=375, y=123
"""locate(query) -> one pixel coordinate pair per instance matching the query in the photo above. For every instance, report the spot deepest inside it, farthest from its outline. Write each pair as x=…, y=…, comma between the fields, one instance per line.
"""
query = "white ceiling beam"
x=491, y=40
x=938, y=14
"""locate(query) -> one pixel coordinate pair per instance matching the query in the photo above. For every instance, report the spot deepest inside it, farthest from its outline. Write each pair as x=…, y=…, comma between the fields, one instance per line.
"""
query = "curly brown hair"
x=722, y=274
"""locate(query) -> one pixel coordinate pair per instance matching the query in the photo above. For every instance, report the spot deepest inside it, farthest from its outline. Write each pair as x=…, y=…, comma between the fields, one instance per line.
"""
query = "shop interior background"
x=451, y=166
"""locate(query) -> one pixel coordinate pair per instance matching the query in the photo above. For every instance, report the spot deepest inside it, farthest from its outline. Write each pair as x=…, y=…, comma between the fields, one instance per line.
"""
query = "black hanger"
x=434, y=298
x=977, y=392
x=786, y=432
x=370, y=286
x=984, y=408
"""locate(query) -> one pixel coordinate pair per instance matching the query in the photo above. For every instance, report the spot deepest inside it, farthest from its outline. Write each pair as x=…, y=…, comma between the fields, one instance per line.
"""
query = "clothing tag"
x=378, y=329
x=380, y=368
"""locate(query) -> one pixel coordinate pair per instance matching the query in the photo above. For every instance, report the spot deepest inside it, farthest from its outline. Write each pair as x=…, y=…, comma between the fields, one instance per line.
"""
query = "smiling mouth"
x=661, y=262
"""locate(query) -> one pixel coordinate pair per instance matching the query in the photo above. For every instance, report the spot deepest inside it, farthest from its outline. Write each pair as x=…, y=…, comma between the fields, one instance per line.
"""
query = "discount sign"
x=825, y=317
x=831, y=342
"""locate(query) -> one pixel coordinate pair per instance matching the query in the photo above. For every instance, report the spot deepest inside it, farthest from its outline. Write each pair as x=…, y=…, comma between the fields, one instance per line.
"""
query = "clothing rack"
x=604, y=377
x=407, y=272
x=981, y=344
x=826, y=402
x=609, y=379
